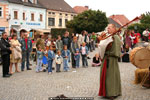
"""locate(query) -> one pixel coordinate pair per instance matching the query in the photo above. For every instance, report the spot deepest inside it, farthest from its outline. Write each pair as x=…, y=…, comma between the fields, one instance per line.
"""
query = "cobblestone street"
x=82, y=82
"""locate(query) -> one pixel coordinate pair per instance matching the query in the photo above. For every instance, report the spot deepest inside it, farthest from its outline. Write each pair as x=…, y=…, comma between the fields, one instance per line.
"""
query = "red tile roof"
x=80, y=9
x=120, y=19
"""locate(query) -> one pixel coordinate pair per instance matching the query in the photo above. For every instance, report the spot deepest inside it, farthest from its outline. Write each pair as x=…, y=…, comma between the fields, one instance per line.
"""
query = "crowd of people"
x=65, y=48
x=62, y=51
x=130, y=39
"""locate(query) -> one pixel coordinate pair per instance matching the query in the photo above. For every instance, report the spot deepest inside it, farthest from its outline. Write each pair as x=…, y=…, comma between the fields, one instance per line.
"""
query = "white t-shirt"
x=83, y=50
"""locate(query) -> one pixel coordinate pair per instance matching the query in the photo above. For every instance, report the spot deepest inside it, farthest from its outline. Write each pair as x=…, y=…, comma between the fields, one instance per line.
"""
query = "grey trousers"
x=58, y=67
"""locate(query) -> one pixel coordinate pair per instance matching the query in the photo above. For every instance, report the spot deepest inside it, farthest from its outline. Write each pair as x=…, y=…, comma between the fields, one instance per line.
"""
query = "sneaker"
x=49, y=73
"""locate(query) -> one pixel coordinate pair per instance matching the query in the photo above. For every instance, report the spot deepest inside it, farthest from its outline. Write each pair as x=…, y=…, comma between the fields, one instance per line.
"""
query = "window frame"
x=15, y=17
x=60, y=22
x=52, y=21
x=41, y=17
x=24, y=16
x=66, y=20
x=1, y=12
x=32, y=17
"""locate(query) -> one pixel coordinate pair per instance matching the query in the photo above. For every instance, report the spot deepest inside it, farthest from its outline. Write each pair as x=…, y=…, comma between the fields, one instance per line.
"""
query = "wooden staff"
x=104, y=35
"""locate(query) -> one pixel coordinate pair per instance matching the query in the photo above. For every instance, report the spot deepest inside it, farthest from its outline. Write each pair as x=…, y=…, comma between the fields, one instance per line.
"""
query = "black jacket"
x=4, y=46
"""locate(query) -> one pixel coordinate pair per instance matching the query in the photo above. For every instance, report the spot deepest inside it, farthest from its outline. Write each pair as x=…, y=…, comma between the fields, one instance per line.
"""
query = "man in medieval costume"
x=110, y=82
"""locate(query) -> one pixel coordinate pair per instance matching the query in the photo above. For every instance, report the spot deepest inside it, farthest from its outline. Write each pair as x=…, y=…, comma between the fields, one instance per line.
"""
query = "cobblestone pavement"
x=82, y=82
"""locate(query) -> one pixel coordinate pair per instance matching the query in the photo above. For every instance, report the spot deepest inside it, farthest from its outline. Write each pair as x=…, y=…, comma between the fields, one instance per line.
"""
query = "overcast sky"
x=130, y=8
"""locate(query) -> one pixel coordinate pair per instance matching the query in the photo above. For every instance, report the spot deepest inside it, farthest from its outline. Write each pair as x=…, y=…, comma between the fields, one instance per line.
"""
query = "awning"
x=2, y=28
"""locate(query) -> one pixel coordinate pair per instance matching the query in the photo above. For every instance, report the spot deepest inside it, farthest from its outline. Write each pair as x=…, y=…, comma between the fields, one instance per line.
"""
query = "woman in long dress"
x=16, y=56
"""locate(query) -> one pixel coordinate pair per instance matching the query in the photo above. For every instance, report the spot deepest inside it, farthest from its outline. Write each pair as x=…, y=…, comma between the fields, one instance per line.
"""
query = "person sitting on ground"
x=125, y=56
x=96, y=60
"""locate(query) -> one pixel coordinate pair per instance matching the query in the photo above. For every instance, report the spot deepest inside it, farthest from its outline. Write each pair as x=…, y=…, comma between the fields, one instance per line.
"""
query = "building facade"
x=26, y=15
x=58, y=19
x=4, y=17
x=58, y=13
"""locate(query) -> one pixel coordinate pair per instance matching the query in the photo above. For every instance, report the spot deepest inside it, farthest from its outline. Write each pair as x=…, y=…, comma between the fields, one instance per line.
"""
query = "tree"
x=91, y=21
x=144, y=23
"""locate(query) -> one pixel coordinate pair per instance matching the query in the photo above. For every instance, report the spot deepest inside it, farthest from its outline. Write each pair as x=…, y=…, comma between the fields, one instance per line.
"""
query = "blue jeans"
x=50, y=63
x=77, y=63
x=25, y=57
x=66, y=65
x=84, y=61
x=39, y=65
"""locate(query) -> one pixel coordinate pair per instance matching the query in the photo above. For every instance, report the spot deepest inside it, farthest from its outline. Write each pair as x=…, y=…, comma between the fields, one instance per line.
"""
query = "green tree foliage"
x=91, y=20
x=144, y=23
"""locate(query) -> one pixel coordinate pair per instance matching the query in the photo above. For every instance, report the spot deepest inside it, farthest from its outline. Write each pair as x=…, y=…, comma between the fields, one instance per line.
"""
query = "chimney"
x=87, y=7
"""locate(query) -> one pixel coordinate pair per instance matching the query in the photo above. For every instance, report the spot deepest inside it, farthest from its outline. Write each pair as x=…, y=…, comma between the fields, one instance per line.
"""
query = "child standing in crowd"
x=51, y=57
x=84, y=53
x=77, y=58
x=58, y=60
x=66, y=56
x=40, y=54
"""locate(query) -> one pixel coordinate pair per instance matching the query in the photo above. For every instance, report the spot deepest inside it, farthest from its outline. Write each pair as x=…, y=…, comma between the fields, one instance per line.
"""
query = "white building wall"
x=26, y=24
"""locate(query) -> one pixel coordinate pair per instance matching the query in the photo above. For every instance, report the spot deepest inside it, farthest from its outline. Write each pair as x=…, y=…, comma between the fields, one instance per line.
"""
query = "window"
x=60, y=14
x=53, y=13
x=49, y=13
x=72, y=15
x=32, y=16
x=60, y=22
x=51, y=21
x=15, y=14
x=41, y=17
x=24, y=16
x=66, y=14
x=1, y=12
x=66, y=20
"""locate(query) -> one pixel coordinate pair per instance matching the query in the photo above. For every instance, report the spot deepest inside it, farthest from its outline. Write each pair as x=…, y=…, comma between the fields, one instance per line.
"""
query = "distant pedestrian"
x=40, y=54
x=16, y=55
x=77, y=58
x=26, y=46
x=84, y=53
x=5, y=53
x=58, y=60
x=74, y=45
x=51, y=57
x=145, y=35
x=66, y=40
x=66, y=56
x=59, y=43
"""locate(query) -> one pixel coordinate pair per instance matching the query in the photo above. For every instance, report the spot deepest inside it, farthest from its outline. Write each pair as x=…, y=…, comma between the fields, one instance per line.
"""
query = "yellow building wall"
x=57, y=16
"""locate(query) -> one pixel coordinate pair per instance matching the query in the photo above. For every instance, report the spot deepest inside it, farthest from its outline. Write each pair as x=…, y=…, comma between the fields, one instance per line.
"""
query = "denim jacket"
x=29, y=44
x=85, y=48
x=63, y=54
x=51, y=55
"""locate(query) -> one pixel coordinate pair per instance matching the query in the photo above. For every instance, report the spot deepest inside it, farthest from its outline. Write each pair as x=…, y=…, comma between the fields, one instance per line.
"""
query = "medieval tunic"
x=110, y=83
